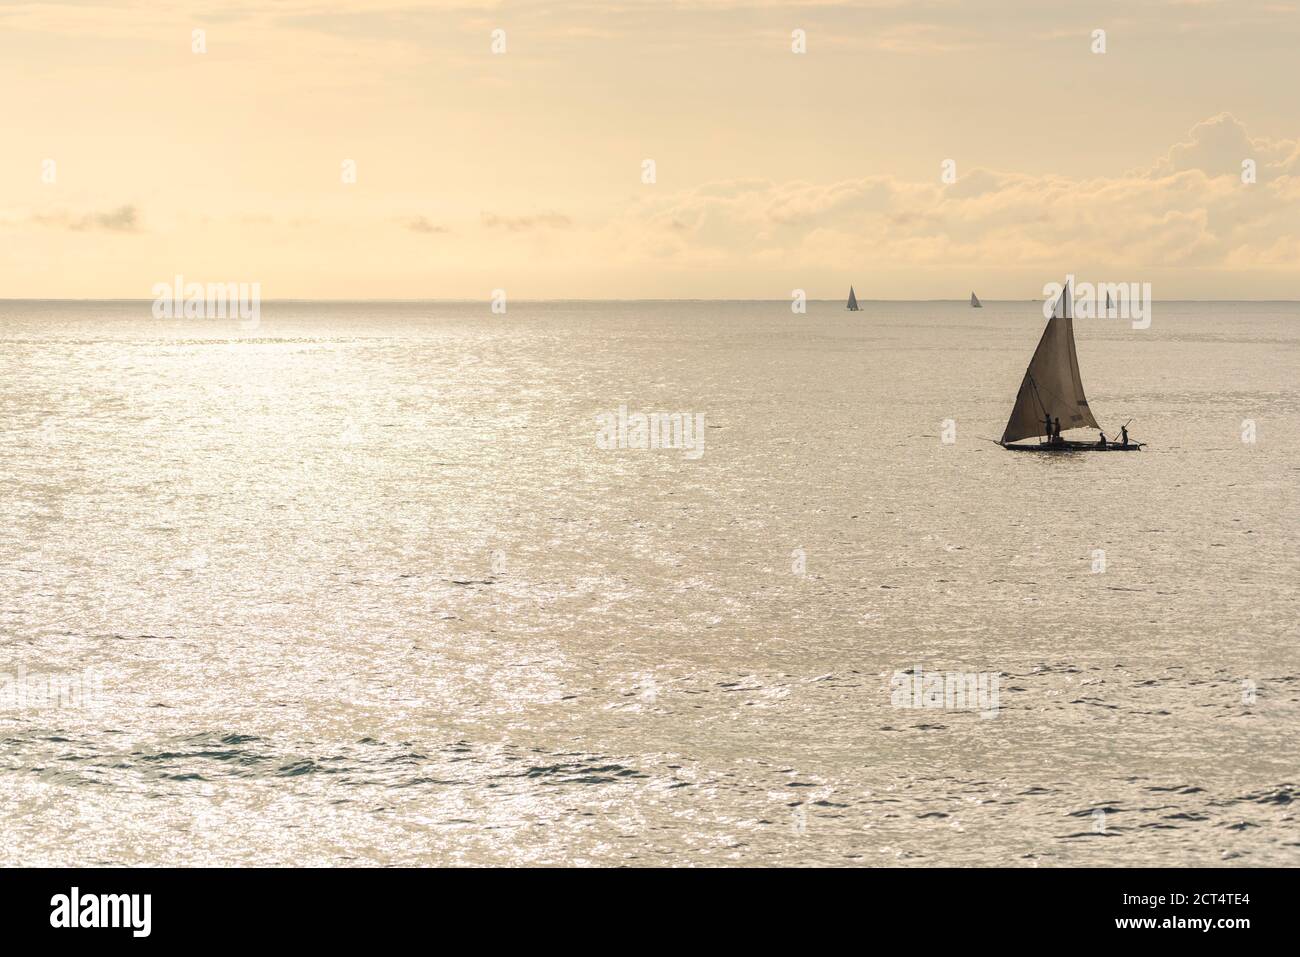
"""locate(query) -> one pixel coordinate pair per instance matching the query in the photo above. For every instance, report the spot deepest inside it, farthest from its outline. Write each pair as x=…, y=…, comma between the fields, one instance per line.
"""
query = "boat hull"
x=1074, y=447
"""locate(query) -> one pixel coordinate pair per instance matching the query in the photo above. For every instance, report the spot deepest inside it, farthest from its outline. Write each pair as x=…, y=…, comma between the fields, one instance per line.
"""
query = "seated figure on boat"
x=1101, y=440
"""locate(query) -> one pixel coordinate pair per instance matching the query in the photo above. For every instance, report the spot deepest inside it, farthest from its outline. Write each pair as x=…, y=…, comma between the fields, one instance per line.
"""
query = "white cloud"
x=1191, y=209
x=1218, y=145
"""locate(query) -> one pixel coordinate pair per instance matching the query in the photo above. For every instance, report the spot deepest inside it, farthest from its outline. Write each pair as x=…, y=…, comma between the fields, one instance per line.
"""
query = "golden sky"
x=774, y=170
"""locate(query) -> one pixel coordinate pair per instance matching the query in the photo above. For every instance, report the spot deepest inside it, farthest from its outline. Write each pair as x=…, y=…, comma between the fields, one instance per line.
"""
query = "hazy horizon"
x=564, y=299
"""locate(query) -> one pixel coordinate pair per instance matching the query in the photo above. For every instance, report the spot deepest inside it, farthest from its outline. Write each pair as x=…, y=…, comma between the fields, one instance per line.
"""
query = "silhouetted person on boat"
x=1056, y=435
x=1123, y=431
x=1047, y=424
x=1101, y=440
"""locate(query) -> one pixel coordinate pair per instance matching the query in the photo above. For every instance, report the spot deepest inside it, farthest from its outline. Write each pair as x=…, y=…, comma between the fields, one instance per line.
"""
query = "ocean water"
x=360, y=586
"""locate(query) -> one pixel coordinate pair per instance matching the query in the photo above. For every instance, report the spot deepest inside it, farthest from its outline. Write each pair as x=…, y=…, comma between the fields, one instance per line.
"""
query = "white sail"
x=974, y=301
x=853, y=301
x=1052, y=387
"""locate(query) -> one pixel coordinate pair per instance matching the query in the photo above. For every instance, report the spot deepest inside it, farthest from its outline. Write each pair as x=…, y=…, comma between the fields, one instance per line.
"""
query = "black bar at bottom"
x=368, y=906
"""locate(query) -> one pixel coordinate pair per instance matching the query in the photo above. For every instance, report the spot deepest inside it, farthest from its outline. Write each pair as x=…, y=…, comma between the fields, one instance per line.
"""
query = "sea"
x=656, y=583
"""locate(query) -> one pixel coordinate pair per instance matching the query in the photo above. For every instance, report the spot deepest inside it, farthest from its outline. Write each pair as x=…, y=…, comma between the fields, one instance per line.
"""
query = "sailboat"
x=975, y=303
x=853, y=301
x=1052, y=392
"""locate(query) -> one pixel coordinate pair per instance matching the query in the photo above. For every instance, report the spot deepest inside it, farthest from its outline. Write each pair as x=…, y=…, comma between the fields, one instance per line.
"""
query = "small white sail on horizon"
x=853, y=301
x=974, y=301
x=1052, y=387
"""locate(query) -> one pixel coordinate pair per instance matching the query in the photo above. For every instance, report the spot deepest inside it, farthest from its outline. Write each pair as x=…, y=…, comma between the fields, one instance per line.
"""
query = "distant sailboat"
x=853, y=301
x=1052, y=392
x=975, y=302
x=1109, y=305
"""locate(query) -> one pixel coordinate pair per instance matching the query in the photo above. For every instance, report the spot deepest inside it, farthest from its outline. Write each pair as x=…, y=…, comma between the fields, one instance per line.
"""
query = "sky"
x=525, y=170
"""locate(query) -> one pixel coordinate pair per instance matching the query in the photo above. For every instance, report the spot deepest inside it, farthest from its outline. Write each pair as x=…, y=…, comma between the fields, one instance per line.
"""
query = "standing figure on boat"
x=1123, y=431
x=1056, y=434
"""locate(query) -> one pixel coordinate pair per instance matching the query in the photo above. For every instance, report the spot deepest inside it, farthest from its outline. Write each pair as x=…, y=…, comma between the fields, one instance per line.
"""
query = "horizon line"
x=488, y=301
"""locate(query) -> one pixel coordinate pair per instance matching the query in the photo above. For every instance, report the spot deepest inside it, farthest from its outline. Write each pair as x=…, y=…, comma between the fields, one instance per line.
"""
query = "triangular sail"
x=1052, y=387
x=853, y=301
x=974, y=301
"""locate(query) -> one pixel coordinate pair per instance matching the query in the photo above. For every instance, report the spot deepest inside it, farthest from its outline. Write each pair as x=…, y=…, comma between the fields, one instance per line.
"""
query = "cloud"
x=918, y=38
x=123, y=219
x=1190, y=210
x=1218, y=145
x=547, y=219
x=420, y=224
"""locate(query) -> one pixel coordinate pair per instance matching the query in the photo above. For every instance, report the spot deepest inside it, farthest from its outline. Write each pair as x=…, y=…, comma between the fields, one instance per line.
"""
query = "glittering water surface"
x=358, y=586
